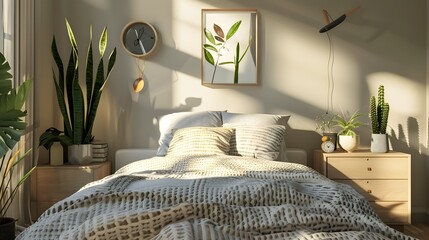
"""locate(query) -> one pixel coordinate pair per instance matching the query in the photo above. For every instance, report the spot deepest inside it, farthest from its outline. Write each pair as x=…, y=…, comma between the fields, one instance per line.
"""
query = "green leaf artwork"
x=216, y=44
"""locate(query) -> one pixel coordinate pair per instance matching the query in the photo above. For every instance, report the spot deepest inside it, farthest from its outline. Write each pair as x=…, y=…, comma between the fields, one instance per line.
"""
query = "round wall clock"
x=139, y=39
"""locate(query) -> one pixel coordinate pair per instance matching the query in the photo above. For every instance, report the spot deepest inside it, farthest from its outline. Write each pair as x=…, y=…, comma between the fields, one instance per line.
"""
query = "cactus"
x=379, y=112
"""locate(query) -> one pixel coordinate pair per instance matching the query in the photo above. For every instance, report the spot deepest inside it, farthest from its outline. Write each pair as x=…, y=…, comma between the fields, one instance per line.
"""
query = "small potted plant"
x=347, y=137
x=379, y=114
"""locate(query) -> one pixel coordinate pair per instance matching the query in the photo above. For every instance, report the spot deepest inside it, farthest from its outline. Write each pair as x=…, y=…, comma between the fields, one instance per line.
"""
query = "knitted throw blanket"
x=212, y=197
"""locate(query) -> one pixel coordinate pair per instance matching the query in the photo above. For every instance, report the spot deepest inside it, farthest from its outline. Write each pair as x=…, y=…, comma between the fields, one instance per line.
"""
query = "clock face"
x=139, y=38
x=328, y=146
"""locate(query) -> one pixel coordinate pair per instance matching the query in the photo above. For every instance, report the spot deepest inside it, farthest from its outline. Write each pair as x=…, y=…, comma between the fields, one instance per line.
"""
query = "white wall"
x=377, y=45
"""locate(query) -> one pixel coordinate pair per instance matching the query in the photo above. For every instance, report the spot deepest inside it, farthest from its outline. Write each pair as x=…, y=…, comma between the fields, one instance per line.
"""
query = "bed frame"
x=126, y=156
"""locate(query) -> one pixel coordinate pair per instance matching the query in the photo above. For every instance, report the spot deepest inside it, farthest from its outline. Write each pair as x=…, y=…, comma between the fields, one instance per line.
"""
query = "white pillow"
x=234, y=119
x=257, y=141
x=181, y=120
x=201, y=140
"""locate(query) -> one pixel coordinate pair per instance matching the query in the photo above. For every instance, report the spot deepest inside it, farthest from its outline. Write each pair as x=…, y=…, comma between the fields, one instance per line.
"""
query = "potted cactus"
x=379, y=114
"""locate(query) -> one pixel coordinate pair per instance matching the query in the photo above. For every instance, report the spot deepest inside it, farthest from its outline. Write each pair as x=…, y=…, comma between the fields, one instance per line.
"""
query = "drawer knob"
x=369, y=191
x=369, y=169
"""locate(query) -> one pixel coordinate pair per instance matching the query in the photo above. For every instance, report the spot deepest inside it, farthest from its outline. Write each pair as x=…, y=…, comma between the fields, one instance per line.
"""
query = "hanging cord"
x=330, y=68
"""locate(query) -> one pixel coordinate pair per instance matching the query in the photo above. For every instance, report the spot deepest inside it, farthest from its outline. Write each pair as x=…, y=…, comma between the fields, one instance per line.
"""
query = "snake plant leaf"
x=210, y=47
x=209, y=36
x=103, y=42
x=218, y=30
x=233, y=29
x=62, y=105
x=58, y=62
x=70, y=76
x=89, y=71
x=208, y=56
x=92, y=111
x=219, y=39
x=110, y=64
x=79, y=111
x=71, y=37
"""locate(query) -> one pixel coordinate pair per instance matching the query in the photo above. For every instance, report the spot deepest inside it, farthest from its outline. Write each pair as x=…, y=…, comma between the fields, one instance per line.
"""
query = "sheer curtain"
x=18, y=47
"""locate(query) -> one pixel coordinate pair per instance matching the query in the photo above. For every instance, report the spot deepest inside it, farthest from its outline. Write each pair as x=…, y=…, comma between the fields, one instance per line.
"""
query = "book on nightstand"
x=99, y=151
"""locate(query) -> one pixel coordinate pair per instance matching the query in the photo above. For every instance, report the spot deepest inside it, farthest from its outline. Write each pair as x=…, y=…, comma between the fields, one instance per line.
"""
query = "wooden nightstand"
x=50, y=184
x=384, y=179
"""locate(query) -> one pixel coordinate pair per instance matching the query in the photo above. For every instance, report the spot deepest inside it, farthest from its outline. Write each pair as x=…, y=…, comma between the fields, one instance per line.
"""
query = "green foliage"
x=11, y=129
x=78, y=115
x=11, y=102
x=379, y=112
x=217, y=43
x=347, y=124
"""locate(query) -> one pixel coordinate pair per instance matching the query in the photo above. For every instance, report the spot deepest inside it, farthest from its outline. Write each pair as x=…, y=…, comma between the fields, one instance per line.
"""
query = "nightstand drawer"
x=53, y=187
x=392, y=212
x=367, y=168
x=381, y=190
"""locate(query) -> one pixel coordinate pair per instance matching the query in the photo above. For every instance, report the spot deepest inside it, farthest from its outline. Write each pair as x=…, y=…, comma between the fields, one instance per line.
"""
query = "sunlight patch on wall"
x=101, y=5
x=402, y=93
x=186, y=26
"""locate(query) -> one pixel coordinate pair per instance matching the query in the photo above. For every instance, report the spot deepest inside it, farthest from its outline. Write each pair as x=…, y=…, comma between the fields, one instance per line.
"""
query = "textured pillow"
x=257, y=141
x=254, y=119
x=201, y=140
x=234, y=119
x=182, y=120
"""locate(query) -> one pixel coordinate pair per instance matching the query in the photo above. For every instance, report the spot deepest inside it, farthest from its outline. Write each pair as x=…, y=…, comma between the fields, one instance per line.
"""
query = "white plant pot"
x=80, y=154
x=56, y=154
x=379, y=143
x=349, y=143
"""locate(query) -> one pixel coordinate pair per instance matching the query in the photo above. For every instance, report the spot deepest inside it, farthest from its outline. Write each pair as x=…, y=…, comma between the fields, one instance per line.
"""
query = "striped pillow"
x=257, y=141
x=201, y=140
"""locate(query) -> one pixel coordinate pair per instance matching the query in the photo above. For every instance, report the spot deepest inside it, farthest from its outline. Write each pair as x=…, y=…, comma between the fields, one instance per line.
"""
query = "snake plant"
x=79, y=115
x=379, y=112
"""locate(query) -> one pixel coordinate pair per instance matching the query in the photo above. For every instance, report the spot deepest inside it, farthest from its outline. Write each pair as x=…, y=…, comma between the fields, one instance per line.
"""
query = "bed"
x=230, y=181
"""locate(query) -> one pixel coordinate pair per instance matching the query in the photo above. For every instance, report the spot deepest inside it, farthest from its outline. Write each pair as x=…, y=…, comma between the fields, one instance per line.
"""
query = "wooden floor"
x=419, y=231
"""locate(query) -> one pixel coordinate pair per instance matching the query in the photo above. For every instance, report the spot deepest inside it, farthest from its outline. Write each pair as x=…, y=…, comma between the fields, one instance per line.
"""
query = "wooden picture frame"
x=229, y=40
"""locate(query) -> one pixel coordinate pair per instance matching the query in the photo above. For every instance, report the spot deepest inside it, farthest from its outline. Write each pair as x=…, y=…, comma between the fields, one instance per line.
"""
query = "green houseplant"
x=347, y=137
x=79, y=115
x=11, y=129
x=379, y=115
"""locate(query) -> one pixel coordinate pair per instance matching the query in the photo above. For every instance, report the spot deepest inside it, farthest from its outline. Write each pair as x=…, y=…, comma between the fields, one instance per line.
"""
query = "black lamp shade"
x=333, y=24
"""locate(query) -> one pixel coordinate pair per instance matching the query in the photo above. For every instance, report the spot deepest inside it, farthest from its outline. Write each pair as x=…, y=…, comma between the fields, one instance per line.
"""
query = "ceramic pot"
x=80, y=154
x=7, y=228
x=349, y=143
x=379, y=143
x=56, y=154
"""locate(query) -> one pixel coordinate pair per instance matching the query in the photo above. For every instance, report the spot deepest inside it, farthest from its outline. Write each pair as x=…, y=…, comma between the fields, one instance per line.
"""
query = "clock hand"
x=139, y=42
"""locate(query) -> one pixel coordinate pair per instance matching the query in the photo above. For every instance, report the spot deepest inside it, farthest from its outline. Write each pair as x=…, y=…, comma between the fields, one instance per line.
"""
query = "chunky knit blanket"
x=212, y=197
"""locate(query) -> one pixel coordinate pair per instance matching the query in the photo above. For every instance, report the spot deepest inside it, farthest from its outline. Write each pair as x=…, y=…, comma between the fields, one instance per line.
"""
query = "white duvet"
x=212, y=197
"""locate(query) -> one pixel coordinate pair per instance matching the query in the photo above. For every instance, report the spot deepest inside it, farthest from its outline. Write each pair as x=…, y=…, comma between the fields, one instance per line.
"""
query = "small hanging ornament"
x=138, y=84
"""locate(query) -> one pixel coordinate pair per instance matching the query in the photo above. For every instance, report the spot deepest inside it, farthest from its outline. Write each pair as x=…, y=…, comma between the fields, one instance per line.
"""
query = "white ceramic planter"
x=56, y=154
x=349, y=143
x=379, y=143
x=80, y=154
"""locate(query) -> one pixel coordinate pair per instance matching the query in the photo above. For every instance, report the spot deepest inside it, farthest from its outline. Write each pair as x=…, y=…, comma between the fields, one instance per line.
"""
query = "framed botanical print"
x=229, y=47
